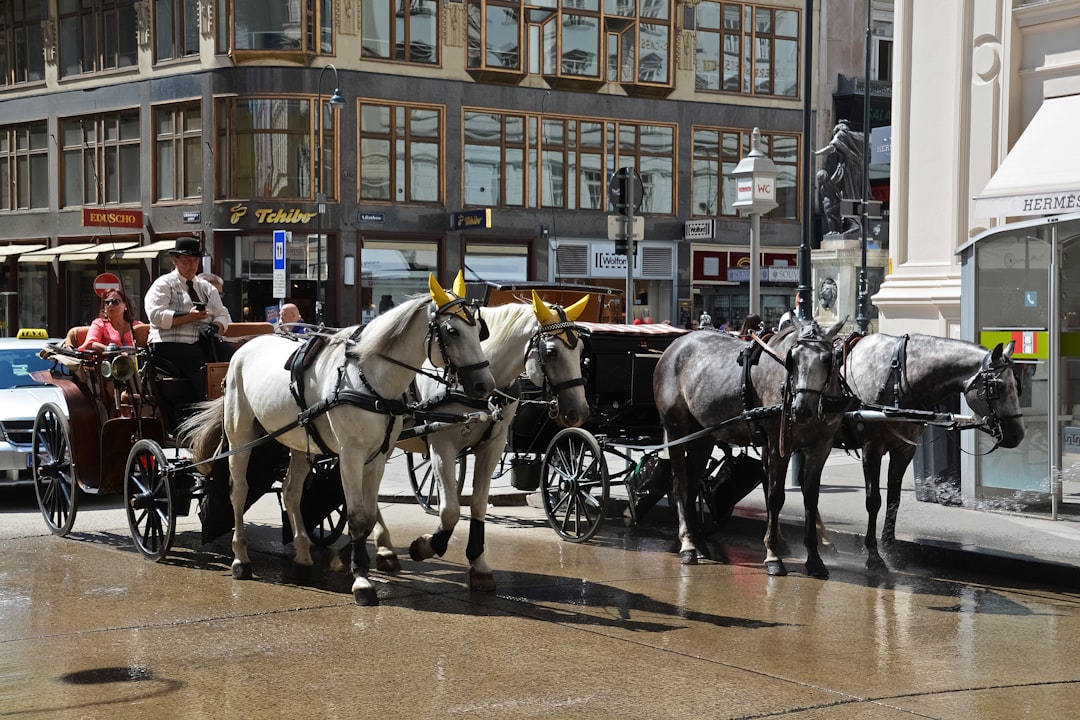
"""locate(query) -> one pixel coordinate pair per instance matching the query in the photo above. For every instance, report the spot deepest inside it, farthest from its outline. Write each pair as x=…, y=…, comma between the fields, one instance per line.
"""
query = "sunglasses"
x=111, y=302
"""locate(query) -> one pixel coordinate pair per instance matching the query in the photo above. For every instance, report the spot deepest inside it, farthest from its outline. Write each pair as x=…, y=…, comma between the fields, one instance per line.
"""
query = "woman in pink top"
x=114, y=327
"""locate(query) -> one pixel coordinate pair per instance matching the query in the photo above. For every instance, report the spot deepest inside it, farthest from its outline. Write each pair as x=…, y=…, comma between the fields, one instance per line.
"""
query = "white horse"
x=535, y=339
x=344, y=402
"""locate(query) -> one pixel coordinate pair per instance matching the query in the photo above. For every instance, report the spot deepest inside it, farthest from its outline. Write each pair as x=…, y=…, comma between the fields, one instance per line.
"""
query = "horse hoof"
x=688, y=557
x=775, y=568
x=481, y=582
x=366, y=597
x=817, y=569
x=876, y=565
x=420, y=550
x=388, y=563
x=241, y=571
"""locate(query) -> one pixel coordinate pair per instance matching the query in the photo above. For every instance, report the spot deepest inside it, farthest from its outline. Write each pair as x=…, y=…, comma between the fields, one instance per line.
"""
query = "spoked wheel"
x=148, y=500
x=329, y=528
x=54, y=469
x=574, y=484
x=426, y=487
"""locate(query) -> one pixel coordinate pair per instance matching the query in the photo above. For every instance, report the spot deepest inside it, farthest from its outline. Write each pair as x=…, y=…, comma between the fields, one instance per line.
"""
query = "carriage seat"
x=76, y=336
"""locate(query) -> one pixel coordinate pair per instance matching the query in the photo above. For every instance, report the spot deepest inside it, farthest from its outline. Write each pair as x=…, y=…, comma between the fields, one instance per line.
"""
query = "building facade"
x=453, y=133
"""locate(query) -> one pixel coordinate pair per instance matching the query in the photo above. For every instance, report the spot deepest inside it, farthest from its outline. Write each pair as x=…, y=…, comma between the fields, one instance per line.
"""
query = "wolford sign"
x=92, y=217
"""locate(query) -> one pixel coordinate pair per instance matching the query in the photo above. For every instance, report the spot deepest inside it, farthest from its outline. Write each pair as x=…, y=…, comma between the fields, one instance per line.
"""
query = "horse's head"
x=457, y=329
x=994, y=394
x=553, y=360
x=811, y=375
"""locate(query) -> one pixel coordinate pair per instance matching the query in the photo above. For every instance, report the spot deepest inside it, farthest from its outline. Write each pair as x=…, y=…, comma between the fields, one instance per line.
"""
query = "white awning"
x=91, y=253
x=8, y=250
x=1041, y=174
x=49, y=254
x=148, y=251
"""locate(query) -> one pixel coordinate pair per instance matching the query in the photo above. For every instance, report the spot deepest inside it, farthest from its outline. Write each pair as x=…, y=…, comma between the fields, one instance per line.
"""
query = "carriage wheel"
x=329, y=528
x=574, y=484
x=54, y=469
x=426, y=487
x=148, y=499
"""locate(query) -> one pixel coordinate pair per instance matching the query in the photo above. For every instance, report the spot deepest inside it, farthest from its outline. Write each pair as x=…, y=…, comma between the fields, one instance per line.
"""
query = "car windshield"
x=16, y=366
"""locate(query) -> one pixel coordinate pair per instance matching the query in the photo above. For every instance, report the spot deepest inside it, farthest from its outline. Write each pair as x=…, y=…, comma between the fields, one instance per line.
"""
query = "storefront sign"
x=192, y=217
x=93, y=217
x=699, y=230
x=1070, y=441
x=470, y=219
x=271, y=216
x=371, y=217
x=772, y=273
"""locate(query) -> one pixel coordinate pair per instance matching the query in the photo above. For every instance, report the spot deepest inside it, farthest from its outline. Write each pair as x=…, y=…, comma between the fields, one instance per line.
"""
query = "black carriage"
x=575, y=468
x=118, y=436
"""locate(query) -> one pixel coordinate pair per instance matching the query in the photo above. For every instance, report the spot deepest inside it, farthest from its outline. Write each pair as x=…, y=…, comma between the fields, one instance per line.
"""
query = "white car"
x=20, y=398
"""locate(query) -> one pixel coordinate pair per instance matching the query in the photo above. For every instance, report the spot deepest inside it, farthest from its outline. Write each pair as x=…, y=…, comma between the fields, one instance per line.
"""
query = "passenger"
x=114, y=326
x=289, y=315
x=186, y=316
x=219, y=285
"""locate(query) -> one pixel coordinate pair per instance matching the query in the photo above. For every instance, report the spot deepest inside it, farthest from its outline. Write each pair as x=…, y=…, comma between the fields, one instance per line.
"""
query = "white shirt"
x=168, y=297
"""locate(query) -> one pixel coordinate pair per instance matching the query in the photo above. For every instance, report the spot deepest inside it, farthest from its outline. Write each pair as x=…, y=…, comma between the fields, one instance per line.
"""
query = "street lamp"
x=320, y=198
x=755, y=193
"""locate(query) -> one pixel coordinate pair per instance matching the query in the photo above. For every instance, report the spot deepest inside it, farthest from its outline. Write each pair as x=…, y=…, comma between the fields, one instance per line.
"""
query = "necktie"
x=191, y=292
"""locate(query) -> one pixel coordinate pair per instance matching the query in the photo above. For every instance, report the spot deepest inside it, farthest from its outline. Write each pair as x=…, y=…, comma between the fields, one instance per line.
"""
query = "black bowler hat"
x=187, y=246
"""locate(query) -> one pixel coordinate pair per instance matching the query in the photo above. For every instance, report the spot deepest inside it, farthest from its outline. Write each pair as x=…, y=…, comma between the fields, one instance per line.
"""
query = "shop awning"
x=49, y=254
x=148, y=251
x=8, y=250
x=1041, y=174
x=91, y=253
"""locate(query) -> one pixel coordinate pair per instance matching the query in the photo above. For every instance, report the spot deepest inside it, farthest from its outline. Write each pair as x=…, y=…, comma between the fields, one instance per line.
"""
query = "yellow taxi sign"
x=33, y=334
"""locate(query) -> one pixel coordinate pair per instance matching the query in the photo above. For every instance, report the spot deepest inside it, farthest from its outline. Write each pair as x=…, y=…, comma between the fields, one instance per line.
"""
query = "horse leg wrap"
x=361, y=563
x=440, y=541
x=475, y=548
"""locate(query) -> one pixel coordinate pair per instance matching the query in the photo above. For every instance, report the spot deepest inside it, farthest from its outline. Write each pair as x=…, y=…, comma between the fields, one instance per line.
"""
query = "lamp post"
x=755, y=192
x=320, y=197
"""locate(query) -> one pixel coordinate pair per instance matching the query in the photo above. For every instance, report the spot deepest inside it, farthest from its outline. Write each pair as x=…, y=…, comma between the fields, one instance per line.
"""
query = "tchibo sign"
x=699, y=230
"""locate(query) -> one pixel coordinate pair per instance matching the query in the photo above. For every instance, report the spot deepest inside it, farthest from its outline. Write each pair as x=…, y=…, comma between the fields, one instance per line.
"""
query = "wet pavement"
x=614, y=627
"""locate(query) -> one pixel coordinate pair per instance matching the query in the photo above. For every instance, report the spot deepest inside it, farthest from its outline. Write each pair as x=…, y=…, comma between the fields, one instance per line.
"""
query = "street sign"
x=616, y=227
x=105, y=282
x=626, y=191
x=855, y=209
x=280, y=281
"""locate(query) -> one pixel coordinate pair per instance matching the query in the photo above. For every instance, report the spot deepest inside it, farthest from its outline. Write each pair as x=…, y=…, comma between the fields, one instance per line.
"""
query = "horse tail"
x=202, y=431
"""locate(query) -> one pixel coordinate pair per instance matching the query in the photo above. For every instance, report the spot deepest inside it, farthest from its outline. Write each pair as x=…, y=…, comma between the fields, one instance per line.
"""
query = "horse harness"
x=370, y=399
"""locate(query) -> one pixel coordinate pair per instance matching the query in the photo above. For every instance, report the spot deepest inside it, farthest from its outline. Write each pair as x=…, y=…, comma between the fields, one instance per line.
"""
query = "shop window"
x=496, y=263
x=96, y=35
x=401, y=30
x=23, y=57
x=391, y=272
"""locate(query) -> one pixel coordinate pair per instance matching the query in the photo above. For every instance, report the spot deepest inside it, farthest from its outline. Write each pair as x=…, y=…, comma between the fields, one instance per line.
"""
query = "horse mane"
x=385, y=330
x=507, y=321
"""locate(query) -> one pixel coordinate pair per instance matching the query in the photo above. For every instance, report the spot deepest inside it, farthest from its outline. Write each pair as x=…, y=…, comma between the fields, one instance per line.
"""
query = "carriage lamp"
x=755, y=183
x=336, y=100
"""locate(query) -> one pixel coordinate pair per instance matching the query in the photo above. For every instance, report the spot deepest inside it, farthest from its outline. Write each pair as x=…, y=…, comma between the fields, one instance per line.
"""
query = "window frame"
x=178, y=138
x=103, y=148
x=104, y=33
x=178, y=13
x=400, y=163
x=741, y=45
x=22, y=61
x=725, y=161
x=17, y=166
x=389, y=10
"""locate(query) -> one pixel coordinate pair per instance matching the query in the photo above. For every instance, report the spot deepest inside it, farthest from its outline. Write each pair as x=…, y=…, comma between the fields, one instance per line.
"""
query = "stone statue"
x=828, y=293
x=841, y=176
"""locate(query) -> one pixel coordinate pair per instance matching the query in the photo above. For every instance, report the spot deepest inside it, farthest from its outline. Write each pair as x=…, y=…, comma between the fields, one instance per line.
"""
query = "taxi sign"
x=33, y=334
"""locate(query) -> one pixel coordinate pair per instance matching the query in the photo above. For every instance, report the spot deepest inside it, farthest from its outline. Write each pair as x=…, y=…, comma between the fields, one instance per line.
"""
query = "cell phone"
x=200, y=306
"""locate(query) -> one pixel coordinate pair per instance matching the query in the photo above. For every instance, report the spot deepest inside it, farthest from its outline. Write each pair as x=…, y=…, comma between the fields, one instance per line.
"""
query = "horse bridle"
x=471, y=315
x=988, y=385
x=543, y=341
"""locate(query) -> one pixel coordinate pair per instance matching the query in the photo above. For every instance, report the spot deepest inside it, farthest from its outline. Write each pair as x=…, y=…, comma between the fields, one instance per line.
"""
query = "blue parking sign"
x=279, y=249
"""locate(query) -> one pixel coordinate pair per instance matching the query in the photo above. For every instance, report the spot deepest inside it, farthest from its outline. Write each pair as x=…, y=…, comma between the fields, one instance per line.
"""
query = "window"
x=402, y=30
x=303, y=27
x=96, y=35
x=176, y=29
x=178, y=152
x=400, y=153
x=24, y=166
x=394, y=272
x=516, y=160
x=497, y=263
x=22, y=58
x=716, y=153
x=747, y=49
x=573, y=41
x=101, y=159
x=267, y=145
